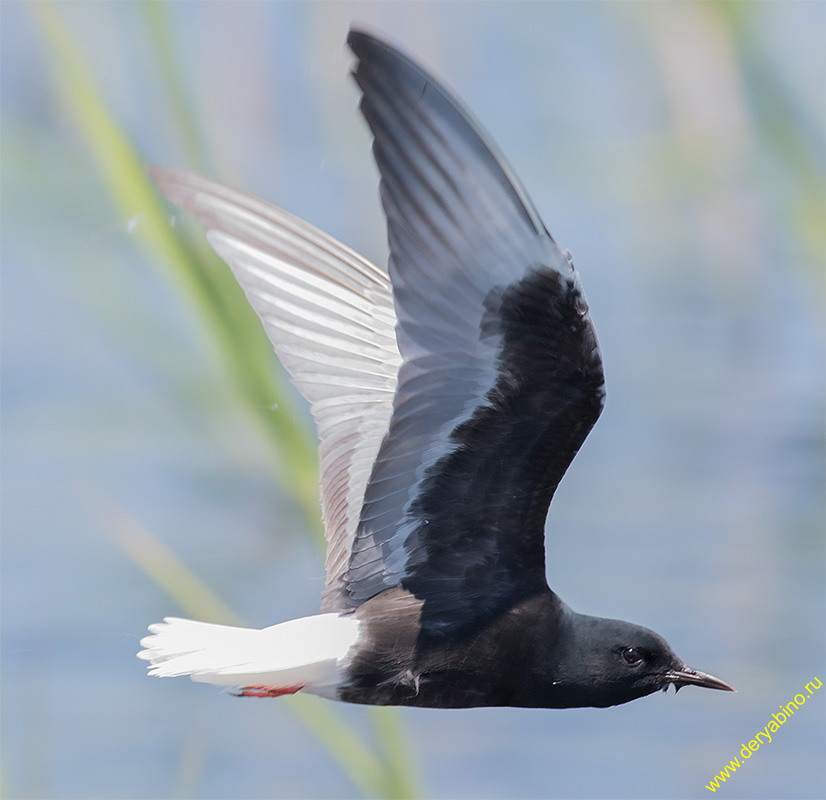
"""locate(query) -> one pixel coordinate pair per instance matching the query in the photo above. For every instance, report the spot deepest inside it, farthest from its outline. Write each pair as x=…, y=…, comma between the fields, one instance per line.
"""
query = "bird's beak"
x=686, y=676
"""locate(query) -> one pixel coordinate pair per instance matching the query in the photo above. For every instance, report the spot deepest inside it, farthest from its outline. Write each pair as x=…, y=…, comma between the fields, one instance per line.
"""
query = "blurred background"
x=154, y=461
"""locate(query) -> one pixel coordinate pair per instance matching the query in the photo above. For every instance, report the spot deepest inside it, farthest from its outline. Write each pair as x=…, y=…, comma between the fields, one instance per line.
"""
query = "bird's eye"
x=632, y=656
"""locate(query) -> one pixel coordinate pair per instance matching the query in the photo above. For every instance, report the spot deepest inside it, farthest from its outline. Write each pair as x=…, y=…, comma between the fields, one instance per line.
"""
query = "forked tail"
x=308, y=653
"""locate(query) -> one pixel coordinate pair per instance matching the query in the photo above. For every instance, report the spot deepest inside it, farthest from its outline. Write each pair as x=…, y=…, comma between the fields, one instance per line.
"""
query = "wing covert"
x=501, y=377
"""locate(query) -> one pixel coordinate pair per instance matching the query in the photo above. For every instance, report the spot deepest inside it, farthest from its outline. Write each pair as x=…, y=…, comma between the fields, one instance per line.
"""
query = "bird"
x=451, y=393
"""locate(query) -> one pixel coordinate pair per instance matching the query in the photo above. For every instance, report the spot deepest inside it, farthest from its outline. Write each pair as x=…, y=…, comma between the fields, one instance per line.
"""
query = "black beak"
x=686, y=676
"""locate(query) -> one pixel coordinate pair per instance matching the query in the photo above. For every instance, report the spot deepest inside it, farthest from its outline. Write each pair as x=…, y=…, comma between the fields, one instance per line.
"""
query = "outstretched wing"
x=329, y=315
x=501, y=377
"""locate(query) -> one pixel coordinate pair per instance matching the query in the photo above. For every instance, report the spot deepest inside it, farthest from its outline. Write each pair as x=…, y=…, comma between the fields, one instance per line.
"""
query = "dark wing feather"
x=501, y=376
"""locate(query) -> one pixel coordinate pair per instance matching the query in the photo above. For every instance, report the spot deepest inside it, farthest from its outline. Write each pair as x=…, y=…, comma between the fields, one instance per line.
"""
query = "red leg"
x=267, y=691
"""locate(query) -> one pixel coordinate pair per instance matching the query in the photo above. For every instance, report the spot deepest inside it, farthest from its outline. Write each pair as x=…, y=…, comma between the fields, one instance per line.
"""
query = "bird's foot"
x=267, y=691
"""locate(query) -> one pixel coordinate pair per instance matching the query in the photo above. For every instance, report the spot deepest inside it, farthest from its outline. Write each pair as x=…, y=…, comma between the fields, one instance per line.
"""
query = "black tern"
x=450, y=399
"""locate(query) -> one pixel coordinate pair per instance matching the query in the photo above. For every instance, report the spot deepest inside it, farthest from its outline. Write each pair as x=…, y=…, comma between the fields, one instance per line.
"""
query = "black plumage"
x=448, y=413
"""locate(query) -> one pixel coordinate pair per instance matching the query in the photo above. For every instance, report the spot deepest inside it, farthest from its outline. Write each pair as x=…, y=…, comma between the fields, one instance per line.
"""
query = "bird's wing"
x=501, y=377
x=329, y=315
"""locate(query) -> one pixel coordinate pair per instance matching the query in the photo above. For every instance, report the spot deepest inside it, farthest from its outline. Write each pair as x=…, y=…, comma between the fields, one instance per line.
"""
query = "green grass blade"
x=400, y=782
x=205, y=280
x=247, y=355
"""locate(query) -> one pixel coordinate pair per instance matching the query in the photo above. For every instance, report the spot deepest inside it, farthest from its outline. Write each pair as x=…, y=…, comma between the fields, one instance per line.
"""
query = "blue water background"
x=676, y=149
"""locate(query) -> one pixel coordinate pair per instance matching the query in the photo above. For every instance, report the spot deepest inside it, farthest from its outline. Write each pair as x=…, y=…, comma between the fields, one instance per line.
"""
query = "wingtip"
x=166, y=176
x=374, y=48
x=164, y=180
x=360, y=40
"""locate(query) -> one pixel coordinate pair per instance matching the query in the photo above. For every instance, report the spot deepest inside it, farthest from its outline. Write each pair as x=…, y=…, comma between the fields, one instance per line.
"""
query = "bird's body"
x=450, y=400
x=492, y=665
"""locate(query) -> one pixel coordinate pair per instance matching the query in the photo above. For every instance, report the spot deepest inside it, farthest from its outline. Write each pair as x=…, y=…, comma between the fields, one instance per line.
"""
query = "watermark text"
x=764, y=736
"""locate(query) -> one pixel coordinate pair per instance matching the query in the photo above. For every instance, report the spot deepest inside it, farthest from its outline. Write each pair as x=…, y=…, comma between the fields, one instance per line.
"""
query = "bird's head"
x=610, y=662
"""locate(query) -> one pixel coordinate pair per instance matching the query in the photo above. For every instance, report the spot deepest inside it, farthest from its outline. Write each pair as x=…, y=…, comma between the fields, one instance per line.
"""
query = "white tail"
x=307, y=653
